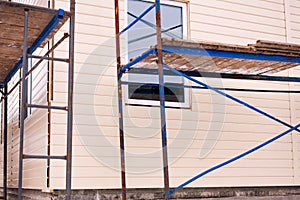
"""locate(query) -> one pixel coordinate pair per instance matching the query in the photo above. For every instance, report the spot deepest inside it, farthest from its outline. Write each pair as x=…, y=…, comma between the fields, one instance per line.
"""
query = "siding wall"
x=95, y=26
x=34, y=173
x=237, y=22
x=213, y=130
x=43, y=3
x=13, y=128
x=293, y=33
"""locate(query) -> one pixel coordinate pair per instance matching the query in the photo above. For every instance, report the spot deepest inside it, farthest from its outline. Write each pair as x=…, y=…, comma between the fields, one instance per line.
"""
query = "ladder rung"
x=49, y=58
x=44, y=157
x=47, y=107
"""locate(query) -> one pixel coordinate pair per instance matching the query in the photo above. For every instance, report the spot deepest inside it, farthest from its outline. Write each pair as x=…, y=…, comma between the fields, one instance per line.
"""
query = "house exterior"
x=204, y=129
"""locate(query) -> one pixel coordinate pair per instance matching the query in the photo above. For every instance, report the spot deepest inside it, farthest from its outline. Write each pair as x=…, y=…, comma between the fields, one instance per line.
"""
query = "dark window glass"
x=173, y=92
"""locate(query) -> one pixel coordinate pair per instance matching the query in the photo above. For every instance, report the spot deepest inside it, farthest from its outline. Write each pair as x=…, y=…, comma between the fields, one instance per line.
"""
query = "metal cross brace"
x=292, y=128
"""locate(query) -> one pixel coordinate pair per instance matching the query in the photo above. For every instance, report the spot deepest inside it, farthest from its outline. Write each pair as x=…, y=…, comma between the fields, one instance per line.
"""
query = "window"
x=143, y=88
x=143, y=34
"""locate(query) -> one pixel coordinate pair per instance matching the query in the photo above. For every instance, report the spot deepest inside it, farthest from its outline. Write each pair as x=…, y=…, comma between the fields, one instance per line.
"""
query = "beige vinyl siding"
x=42, y=3
x=13, y=129
x=95, y=26
x=237, y=22
x=213, y=130
x=293, y=36
x=243, y=129
x=295, y=117
x=293, y=18
x=34, y=173
x=36, y=131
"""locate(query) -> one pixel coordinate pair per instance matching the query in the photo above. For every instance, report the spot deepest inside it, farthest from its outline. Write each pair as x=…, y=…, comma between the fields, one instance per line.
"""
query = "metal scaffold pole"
x=70, y=102
x=5, y=142
x=162, y=98
x=23, y=104
x=120, y=102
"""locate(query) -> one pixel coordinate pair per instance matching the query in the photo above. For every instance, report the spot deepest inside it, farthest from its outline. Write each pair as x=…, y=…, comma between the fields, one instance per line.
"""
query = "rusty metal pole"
x=23, y=104
x=162, y=98
x=120, y=102
x=70, y=102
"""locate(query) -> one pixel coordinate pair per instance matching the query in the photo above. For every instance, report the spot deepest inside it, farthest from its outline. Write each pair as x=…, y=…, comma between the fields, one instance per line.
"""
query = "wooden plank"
x=280, y=45
x=283, y=52
x=183, y=63
x=228, y=63
x=281, y=67
x=12, y=27
x=269, y=67
x=10, y=43
x=284, y=49
x=11, y=19
x=199, y=63
x=9, y=51
x=16, y=32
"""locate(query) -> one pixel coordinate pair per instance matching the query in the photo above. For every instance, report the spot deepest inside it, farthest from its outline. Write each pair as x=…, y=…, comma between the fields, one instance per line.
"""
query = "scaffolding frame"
x=158, y=51
x=23, y=65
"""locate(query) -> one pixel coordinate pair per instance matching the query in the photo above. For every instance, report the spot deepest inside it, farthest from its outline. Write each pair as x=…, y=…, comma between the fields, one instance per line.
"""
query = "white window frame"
x=153, y=78
x=172, y=3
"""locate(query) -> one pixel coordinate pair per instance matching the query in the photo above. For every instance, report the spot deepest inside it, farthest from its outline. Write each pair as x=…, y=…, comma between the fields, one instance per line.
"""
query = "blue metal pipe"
x=230, y=54
x=233, y=159
x=230, y=97
x=136, y=60
x=137, y=19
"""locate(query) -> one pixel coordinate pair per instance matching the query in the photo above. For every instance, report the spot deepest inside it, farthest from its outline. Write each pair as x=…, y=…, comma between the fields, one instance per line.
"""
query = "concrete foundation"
x=245, y=193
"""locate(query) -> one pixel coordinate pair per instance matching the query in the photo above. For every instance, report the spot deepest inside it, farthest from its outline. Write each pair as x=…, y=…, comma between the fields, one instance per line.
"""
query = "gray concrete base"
x=233, y=193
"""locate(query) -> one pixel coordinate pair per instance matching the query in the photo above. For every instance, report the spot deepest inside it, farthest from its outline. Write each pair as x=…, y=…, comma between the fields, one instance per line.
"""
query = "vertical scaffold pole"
x=23, y=104
x=70, y=102
x=5, y=102
x=162, y=98
x=120, y=102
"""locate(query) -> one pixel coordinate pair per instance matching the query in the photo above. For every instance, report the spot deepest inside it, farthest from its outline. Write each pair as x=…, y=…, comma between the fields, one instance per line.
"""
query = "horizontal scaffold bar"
x=49, y=58
x=47, y=107
x=43, y=157
x=230, y=54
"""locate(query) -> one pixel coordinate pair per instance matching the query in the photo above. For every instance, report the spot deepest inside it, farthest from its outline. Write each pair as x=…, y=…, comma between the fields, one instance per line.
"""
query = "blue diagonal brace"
x=233, y=159
x=136, y=60
x=230, y=97
x=137, y=19
x=48, y=29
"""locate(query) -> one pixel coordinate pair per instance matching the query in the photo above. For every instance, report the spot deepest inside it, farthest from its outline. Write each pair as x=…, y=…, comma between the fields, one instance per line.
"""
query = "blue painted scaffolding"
x=281, y=61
